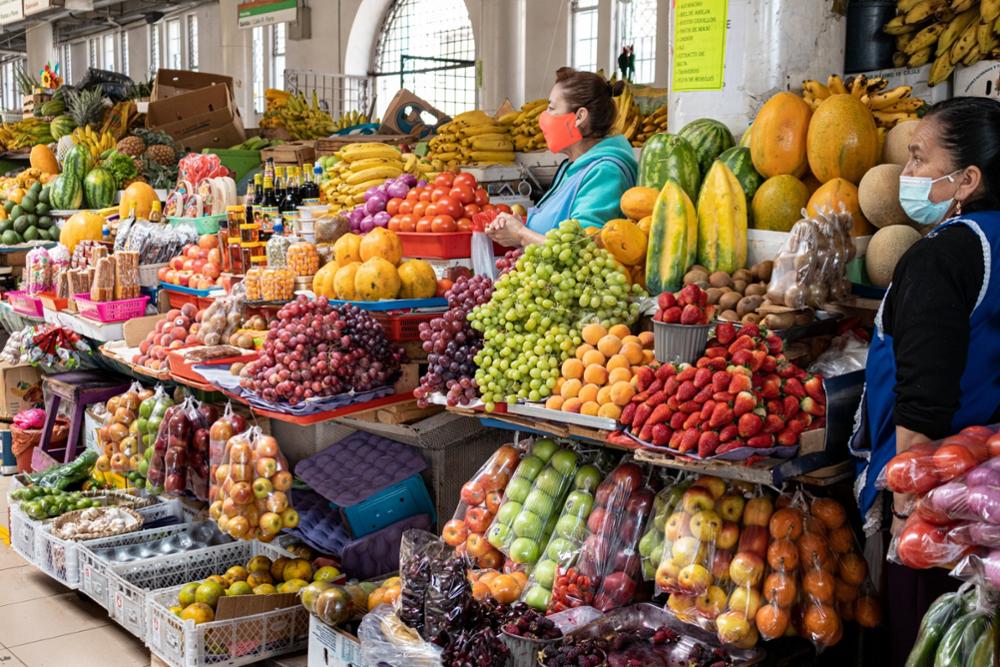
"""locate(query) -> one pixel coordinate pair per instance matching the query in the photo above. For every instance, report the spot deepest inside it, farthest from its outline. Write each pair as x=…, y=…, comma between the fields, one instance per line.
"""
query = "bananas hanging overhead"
x=888, y=105
x=945, y=32
x=627, y=114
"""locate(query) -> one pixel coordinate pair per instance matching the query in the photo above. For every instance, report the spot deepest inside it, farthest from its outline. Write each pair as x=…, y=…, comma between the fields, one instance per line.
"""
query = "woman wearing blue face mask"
x=934, y=363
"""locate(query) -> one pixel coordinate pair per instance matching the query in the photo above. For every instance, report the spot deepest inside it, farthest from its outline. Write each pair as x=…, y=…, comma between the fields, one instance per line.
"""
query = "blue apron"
x=980, y=384
x=557, y=204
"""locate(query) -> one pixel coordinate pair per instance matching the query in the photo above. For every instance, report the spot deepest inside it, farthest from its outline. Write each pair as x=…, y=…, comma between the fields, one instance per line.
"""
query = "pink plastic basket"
x=24, y=303
x=110, y=311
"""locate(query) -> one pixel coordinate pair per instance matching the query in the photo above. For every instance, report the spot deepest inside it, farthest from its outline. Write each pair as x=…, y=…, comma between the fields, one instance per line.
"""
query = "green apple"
x=565, y=462
x=527, y=524
x=498, y=535
x=545, y=573
x=648, y=541
x=529, y=468
x=518, y=489
x=549, y=481
x=659, y=521
x=508, y=512
x=588, y=477
x=524, y=550
x=558, y=548
x=656, y=553
x=537, y=598
x=539, y=503
x=578, y=503
x=544, y=448
x=571, y=527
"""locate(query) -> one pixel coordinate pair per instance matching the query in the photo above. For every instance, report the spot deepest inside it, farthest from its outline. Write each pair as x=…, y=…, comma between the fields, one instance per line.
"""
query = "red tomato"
x=413, y=195
x=482, y=198
x=406, y=206
x=465, y=225
x=929, y=514
x=450, y=206
x=443, y=286
x=465, y=179
x=444, y=179
x=392, y=206
x=420, y=209
x=424, y=225
x=437, y=193
x=425, y=195
x=950, y=461
x=974, y=443
x=920, y=544
x=407, y=223
x=471, y=210
x=910, y=472
x=443, y=224
x=489, y=208
x=994, y=445
x=463, y=193
x=979, y=432
x=393, y=225
x=503, y=208
x=431, y=210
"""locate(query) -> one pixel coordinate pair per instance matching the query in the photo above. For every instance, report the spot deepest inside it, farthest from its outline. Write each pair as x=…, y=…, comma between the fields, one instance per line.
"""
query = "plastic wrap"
x=386, y=640
x=436, y=592
x=939, y=617
x=277, y=284
x=277, y=251
x=37, y=271
x=157, y=473
x=303, y=258
x=928, y=465
x=847, y=353
x=180, y=426
x=156, y=243
x=251, y=282
x=329, y=228
x=810, y=269
x=199, y=468
x=224, y=428
x=651, y=545
x=223, y=317
x=118, y=436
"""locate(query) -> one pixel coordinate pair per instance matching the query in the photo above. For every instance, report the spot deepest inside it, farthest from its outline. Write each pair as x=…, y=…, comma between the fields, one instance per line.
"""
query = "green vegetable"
x=62, y=476
x=932, y=628
x=960, y=638
x=121, y=167
x=982, y=652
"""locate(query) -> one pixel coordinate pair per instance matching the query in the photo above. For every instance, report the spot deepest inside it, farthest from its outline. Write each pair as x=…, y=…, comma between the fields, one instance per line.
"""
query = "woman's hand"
x=507, y=230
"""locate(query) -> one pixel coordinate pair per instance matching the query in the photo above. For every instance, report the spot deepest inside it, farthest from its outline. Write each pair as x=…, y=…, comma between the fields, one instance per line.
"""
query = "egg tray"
x=188, y=538
x=359, y=466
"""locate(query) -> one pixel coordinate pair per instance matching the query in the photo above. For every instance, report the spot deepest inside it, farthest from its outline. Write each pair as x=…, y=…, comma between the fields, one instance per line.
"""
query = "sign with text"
x=38, y=6
x=11, y=11
x=253, y=13
x=699, y=45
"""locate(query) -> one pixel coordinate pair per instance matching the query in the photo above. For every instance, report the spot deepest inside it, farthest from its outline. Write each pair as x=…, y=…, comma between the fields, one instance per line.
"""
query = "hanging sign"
x=699, y=45
x=253, y=13
x=38, y=6
x=11, y=11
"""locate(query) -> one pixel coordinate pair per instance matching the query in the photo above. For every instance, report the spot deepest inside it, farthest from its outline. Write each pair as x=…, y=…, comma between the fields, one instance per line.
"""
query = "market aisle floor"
x=44, y=624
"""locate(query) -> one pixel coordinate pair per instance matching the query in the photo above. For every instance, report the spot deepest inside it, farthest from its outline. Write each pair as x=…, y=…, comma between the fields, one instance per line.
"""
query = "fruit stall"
x=280, y=392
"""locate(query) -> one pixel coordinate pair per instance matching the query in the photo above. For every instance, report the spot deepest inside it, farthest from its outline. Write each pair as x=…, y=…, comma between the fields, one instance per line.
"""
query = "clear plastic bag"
x=483, y=260
x=277, y=251
x=810, y=269
x=37, y=271
x=435, y=592
x=386, y=640
x=793, y=266
x=928, y=465
x=223, y=317
x=224, y=428
x=847, y=354
x=157, y=474
x=199, y=468
x=652, y=544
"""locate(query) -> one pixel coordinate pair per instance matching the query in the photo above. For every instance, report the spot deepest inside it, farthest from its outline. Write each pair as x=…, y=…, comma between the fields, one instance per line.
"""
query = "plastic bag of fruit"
x=925, y=466
x=964, y=631
x=253, y=501
x=479, y=500
x=118, y=436
x=224, y=428
x=180, y=428
x=386, y=640
x=151, y=412
x=435, y=591
x=975, y=496
x=199, y=469
x=157, y=475
x=532, y=499
x=652, y=544
x=223, y=317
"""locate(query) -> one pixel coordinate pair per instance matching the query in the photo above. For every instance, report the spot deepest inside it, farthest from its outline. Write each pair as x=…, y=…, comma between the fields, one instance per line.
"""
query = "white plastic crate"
x=238, y=641
x=22, y=533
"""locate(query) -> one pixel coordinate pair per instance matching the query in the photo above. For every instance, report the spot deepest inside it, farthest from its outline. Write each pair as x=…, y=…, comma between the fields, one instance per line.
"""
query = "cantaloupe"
x=897, y=143
x=878, y=195
x=885, y=250
x=778, y=203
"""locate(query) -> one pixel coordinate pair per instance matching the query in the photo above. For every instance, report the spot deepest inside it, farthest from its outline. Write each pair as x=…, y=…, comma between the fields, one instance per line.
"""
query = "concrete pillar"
x=40, y=38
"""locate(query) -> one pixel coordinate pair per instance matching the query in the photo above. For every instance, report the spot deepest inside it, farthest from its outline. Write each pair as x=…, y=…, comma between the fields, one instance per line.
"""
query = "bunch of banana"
x=523, y=125
x=274, y=98
x=947, y=32
x=362, y=166
x=627, y=115
x=28, y=132
x=888, y=106
x=302, y=119
x=473, y=137
x=351, y=119
x=92, y=141
x=654, y=123
x=255, y=144
x=120, y=119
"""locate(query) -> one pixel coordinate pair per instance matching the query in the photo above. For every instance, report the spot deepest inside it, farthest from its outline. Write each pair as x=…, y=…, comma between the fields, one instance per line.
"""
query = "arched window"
x=427, y=47
x=637, y=28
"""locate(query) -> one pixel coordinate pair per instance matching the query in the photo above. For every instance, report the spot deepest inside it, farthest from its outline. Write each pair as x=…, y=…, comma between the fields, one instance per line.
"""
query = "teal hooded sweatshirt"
x=598, y=191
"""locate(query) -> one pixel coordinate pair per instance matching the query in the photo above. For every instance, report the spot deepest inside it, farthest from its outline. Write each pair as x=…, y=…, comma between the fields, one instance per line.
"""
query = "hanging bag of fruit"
x=224, y=428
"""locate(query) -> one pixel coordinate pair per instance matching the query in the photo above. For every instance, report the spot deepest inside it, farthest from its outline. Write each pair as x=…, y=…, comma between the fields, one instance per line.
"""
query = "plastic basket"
x=438, y=245
x=403, y=328
x=22, y=533
x=679, y=343
x=25, y=304
x=181, y=643
x=148, y=274
x=206, y=224
x=111, y=311
x=178, y=299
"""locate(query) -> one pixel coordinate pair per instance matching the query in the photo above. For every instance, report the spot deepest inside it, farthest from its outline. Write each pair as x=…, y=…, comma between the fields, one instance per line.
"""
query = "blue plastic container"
x=9, y=462
x=394, y=503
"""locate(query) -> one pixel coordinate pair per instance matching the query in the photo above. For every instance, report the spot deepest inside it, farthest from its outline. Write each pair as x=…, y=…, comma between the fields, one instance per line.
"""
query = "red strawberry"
x=742, y=358
x=661, y=435
x=744, y=342
x=750, y=424
x=775, y=407
x=813, y=407
x=770, y=365
x=774, y=344
x=729, y=446
x=672, y=315
x=675, y=439
x=740, y=382
x=690, y=407
x=677, y=420
x=670, y=386
x=666, y=300
x=728, y=433
x=686, y=391
x=665, y=372
x=673, y=403
x=693, y=420
x=745, y=402
x=716, y=352
x=722, y=397
x=788, y=437
x=773, y=424
x=721, y=416
x=708, y=442
x=646, y=434
x=720, y=381
x=814, y=388
x=715, y=363
x=641, y=415
x=761, y=441
x=792, y=387
x=706, y=410
x=703, y=377
x=644, y=377
x=726, y=333
x=661, y=413
x=771, y=387
x=627, y=413
x=702, y=299
x=686, y=373
x=797, y=425
x=786, y=370
x=703, y=395
x=751, y=330
x=757, y=359
x=791, y=407
x=691, y=314
x=689, y=440
x=689, y=294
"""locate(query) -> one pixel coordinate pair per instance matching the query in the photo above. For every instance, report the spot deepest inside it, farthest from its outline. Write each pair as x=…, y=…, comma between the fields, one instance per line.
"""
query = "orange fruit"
x=609, y=411
x=593, y=333
x=633, y=352
x=772, y=621
x=199, y=612
x=604, y=395
x=572, y=368
x=609, y=345
x=571, y=388
x=813, y=549
x=390, y=594
x=868, y=612
x=786, y=522
x=853, y=569
x=505, y=589
x=590, y=408
x=841, y=540
x=821, y=624
x=596, y=374
x=592, y=357
x=521, y=577
x=619, y=375
x=782, y=555
x=488, y=576
x=375, y=598
x=819, y=585
x=618, y=361
x=480, y=591
x=554, y=402
x=622, y=393
x=829, y=511
x=648, y=357
x=583, y=349
x=620, y=330
x=845, y=592
x=780, y=589
x=572, y=405
x=588, y=392
x=646, y=339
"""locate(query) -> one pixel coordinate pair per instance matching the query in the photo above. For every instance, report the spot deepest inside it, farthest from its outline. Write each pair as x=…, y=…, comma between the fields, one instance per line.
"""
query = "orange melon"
x=637, y=203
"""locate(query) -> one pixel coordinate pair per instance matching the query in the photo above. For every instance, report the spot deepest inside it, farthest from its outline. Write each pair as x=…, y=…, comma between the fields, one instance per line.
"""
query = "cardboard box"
x=22, y=389
x=408, y=114
x=916, y=77
x=332, y=647
x=292, y=153
x=206, y=118
x=172, y=82
x=979, y=80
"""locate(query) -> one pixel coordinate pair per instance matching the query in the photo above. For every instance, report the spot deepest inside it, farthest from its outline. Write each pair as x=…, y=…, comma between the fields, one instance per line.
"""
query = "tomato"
x=463, y=193
x=481, y=197
x=929, y=514
x=464, y=225
x=950, y=461
x=443, y=285
x=392, y=206
x=489, y=208
x=978, y=432
x=450, y=206
x=406, y=206
x=393, y=225
x=909, y=472
x=437, y=193
x=471, y=210
x=424, y=225
x=408, y=223
x=444, y=179
x=974, y=443
x=443, y=224
x=465, y=179
x=414, y=195
x=431, y=210
x=420, y=209
x=922, y=545
x=994, y=445
x=503, y=208
x=425, y=195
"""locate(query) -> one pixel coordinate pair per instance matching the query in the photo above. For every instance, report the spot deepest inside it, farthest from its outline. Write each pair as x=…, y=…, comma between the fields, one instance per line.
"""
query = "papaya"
x=376, y=279
x=417, y=280
x=624, y=240
x=343, y=281
x=381, y=242
x=778, y=141
x=842, y=141
x=673, y=239
x=722, y=221
x=636, y=203
x=322, y=284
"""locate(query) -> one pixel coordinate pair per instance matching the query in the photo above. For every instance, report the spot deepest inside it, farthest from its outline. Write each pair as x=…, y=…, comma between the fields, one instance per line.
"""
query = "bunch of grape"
x=451, y=344
x=507, y=262
x=532, y=323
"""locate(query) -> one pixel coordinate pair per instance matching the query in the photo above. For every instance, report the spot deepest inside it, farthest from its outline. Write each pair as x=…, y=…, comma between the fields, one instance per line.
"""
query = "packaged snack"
x=303, y=258
x=37, y=271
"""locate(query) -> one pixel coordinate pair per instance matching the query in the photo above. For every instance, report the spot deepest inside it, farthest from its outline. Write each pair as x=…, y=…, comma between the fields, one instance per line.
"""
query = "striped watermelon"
x=66, y=193
x=99, y=189
x=77, y=163
x=738, y=160
x=667, y=156
x=708, y=138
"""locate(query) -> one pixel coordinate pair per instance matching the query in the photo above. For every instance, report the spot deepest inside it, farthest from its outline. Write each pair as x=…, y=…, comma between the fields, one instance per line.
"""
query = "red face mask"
x=560, y=130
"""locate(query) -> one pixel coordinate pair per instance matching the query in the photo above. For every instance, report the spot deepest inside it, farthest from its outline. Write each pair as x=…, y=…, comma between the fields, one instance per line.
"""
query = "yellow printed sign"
x=699, y=44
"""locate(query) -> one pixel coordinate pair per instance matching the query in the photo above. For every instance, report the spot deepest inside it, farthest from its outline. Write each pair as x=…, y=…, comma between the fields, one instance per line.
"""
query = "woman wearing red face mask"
x=599, y=168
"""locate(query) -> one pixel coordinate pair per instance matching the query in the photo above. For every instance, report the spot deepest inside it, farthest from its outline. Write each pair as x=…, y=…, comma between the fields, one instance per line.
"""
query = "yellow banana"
x=836, y=85
x=910, y=104
x=898, y=59
x=888, y=98
x=489, y=144
x=368, y=163
x=941, y=69
x=904, y=6
x=922, y=11
x=989, y=10
x=954, y=29
x=508, y=118
x=973, y=56
x=984, y=36
x=925, y=38
x=887, y=119
x=858, y=85
x=963, y=44
x=959, y=6
x=898, y=26
x=353, y=152
x=485, y=128
x=492, y=156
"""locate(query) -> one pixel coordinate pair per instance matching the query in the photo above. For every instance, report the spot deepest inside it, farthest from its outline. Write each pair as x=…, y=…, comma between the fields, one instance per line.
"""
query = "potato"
x=695, y=276
x=748, y=304
x=720, y=279
x=729, y=316
x=742, y=274
x=779, y=321
x=245, y=341
x=756, y=289
x=750, y=318
x=234, y=340
x=740, y=286
x=714, y=294
x=729, y=300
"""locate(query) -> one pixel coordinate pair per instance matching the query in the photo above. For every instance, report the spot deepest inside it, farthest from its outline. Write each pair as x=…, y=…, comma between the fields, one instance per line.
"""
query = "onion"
x=367, y=224
x=993, y=463
x=421, y=183
x=409, y=180
x=356, y=215
x=381, y=219
x=375, y=204
x=985, y=502
x=949, y=499
x=371, y=192
x=397, y=189
x=983, y=476
x=984, y=534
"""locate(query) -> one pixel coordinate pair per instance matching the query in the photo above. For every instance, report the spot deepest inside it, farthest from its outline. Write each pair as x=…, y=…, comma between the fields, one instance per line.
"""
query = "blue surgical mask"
x=914, y=197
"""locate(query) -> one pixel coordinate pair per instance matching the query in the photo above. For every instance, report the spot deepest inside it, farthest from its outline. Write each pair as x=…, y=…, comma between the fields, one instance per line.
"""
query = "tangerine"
x=813, y=549
x=841, y=540
x=853, y=569
x=780, y=589
x=505, y=589
x=819, y=585
x=844, y=592
x=782, y=555
x=821, y=624
x=786, y=522
x=772, y=621
x=868, y=612
x=829, y=511
x=199, y=612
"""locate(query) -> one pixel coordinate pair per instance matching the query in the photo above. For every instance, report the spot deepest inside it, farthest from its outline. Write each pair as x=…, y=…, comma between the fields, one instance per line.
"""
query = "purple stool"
x=81, y=388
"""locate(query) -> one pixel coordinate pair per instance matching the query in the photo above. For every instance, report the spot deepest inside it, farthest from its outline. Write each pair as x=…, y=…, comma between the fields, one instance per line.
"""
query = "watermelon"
x=739, y=162
x=668, y=156
x=99, y=189
x=66, y=193
x=708, y=138
x=77, y=163
x=61, y=126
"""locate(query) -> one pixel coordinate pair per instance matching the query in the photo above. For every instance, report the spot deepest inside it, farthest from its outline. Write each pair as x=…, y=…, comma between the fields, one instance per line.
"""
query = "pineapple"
x=132, y=146
x=161, y=154
x=86, y=107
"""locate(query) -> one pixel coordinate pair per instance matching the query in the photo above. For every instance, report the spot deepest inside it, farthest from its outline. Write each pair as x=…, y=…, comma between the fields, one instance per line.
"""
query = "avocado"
x=44, y=197
x=16, y=212
x=32, y=219
x=28, y=204
x=35, y=189
x=9, y=205
x=44, y=221
x=10, y=237
x=5, y=225
x=31, y=234
x=42, y=208
x=20, y=224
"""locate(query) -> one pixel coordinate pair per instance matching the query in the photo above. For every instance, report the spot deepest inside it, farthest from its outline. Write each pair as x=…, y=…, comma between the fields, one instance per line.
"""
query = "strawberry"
x=690, y=295
x=666, y=300
x=720, y=381
x=722, y=397
x=744, y=342
x=703, y=299
x=745, y=402
x=742, y=357
x=717, y=364
x=814, y=388
x=689, y=440
x=706, y=410
x=788, y=437
x=791, y=407
x=665, y=372
x=786, y=370
x=757, y=359
x=729, y=446
x=708, y=442
x=656, y=399
x=751, y=330
x=770, y=365
x=770, y=387
x=672, y=315
x=661, y=435
x=641, y=415
x=761, y=441
x=714, y=351
x=655, y=387
x=628, y=412
x=703, y=395
x=792, y=387
x=775, y=407
x=644, y=377
x=703, y=377
x=773, y=424
x=693, y=420
x=750, y=424
x=677, y=420
x=728, y=433
x=690, y=407
x=813, y=407
x=721, y=416
x=661, y=413
x=646, y=434
x=798, y=424
x=726, y=333
x=686, y=391
x=740, y=382
x=673, y=403
x=686, y=373
x=774, y=344
x=675, y=439
x=670, y=386
x=692, y=314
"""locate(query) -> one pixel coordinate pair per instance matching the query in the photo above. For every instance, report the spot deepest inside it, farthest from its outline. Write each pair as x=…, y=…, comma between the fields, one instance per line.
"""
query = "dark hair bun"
x=616, y=88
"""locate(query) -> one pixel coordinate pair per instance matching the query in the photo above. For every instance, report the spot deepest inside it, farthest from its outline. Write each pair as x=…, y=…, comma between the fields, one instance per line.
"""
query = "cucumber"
x=982, y=652
x=956, y=643
x=932, y=628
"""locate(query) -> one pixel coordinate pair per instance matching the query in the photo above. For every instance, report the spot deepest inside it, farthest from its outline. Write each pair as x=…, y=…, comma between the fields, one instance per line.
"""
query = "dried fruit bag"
x=436, y=593
x=253, y=501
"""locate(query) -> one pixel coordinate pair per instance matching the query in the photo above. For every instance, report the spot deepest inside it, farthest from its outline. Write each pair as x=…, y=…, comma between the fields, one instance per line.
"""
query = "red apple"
x=754, y=539
x=639, y=503
x=478, y=519
x=627, y=476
